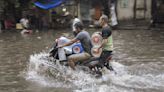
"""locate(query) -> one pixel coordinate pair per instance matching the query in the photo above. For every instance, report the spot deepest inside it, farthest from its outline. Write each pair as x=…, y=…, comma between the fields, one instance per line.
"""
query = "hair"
x=79, y=25
x=105, y=18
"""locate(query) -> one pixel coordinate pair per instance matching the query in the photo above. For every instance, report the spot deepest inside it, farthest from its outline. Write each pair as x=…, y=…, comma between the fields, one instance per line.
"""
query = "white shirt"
x=24, y=22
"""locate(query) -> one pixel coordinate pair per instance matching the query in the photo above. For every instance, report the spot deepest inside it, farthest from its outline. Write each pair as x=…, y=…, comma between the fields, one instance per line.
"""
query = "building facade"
x=125, y=9
x=87, y=10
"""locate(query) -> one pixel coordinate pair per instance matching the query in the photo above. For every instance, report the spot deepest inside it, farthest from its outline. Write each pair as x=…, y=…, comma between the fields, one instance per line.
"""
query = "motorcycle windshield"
x=48, y=4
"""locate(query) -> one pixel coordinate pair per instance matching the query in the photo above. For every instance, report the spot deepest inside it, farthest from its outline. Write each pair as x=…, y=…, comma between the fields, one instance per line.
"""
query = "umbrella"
x=48, y=4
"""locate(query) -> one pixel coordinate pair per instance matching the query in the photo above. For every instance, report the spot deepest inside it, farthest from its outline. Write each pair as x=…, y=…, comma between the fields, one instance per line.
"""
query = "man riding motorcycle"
x=85, y=58
x=85, y=40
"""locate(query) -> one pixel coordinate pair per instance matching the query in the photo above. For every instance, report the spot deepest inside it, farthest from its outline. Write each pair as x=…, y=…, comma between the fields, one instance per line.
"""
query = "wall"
x=148, y=13
x=125, y=9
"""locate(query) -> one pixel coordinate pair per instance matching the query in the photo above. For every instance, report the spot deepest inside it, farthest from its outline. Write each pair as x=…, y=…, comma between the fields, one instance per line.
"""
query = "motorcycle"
x=94, y=65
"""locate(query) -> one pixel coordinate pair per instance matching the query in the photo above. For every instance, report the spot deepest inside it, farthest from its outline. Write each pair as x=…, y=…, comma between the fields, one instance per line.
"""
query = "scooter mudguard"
x=77, y=48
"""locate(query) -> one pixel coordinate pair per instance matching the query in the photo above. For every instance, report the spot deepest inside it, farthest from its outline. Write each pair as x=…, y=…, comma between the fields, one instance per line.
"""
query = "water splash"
x=44, y=71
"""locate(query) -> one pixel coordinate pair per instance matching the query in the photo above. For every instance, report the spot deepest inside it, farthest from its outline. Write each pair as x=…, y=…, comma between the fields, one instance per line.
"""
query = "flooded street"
x=138, y=59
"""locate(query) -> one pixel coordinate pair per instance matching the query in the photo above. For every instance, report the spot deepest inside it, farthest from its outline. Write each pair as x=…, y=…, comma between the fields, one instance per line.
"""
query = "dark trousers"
x=104, y=59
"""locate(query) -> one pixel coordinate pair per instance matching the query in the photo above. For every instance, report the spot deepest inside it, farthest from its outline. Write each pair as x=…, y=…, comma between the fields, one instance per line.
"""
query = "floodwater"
x=138, y=59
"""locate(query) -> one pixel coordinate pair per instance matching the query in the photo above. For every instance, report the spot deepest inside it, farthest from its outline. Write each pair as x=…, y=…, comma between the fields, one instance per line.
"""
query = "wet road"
x=138, y=58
